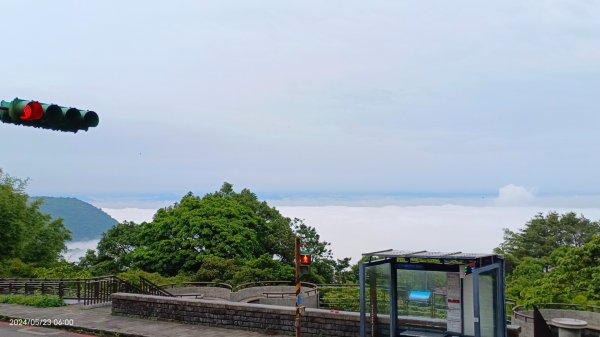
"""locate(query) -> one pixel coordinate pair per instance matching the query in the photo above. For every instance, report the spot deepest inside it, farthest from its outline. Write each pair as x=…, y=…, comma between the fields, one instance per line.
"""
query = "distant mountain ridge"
x=84, y=220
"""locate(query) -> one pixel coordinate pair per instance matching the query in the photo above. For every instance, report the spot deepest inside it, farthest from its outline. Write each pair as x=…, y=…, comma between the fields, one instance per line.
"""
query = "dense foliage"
x=26, y=234
x=573, y=276
x=224, y=236
x=234, y=238
x=555, y=258
x=41, y=301
x=545, y=233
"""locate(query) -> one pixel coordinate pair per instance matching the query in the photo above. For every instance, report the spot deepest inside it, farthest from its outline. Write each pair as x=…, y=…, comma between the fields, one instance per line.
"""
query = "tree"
x=114, y=249
x=575, y=273
x=224, y=236
x=217, y=269
x=543, y=234
x=179, y=237
x=324, y=269
x=264, y=268
x=25, y=232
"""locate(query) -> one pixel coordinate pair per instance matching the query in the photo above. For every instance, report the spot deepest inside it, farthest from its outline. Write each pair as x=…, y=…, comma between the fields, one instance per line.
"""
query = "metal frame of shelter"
x=476, y=270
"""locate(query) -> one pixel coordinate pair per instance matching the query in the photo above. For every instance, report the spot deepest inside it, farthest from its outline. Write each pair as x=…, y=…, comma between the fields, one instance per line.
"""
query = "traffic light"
x=47, y=116
x=469, y=268
x=305, y=260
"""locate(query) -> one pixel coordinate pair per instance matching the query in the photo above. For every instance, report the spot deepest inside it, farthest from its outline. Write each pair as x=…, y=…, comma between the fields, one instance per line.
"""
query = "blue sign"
x=419, y=295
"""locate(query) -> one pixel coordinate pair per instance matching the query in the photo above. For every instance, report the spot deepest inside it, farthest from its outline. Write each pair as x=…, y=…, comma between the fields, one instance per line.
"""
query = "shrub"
x=41, y=301
x=133, y=276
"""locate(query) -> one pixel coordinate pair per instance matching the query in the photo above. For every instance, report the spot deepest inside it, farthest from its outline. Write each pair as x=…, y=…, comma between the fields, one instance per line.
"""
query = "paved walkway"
x=100, y=320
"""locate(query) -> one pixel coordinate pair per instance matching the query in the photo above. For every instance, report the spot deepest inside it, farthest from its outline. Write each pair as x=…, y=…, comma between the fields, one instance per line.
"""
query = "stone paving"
x=100, y=320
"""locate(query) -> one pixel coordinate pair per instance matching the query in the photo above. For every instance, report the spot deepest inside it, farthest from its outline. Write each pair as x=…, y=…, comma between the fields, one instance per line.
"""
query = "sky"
x=309, y=103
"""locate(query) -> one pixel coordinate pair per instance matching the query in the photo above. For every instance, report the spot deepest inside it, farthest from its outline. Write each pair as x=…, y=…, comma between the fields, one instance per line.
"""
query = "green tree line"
x=232, y=237
x=223, y=236
x=555, y=258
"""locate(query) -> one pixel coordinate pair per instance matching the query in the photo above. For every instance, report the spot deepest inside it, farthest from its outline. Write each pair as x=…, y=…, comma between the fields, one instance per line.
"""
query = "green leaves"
x=543, y=234
x=224, y=236
x=555, y=258
x=25, y=232
x=573, y=276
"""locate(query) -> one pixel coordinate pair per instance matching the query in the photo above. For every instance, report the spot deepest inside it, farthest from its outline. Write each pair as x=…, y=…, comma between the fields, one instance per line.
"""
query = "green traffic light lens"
x=73, y=116
x=53, y=113
x=90, y=119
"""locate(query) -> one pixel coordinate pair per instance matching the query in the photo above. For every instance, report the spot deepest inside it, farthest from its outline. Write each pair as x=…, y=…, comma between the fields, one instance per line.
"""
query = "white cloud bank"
x=513, y=195
x=136, y=215
x=354, y=230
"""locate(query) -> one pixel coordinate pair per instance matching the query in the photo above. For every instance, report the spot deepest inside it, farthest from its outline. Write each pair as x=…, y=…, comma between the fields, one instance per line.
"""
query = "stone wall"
x=258, y=317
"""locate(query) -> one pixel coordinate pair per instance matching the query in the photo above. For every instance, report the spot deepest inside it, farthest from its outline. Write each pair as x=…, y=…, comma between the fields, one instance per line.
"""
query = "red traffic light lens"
x=304, y=259
x=32, y=112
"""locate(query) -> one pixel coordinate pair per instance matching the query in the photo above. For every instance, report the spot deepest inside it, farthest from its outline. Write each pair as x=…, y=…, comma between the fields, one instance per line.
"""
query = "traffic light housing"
x=47, y=116
x=469, y=268
x=305, y=261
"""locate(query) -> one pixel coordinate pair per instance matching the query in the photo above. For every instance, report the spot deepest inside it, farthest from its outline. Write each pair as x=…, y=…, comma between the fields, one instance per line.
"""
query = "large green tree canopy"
x=554, y=258
x=573, y=277
x=545, y=233
x=224, y=236
x=25, y=232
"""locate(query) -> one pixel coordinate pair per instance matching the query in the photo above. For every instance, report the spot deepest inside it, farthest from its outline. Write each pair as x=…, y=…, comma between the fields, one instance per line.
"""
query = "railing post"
x=61, y=288
x=78, y=290
x=96, y=290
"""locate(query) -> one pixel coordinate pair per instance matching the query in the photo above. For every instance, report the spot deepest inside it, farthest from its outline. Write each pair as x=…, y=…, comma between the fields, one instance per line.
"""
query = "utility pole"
x=298, y=287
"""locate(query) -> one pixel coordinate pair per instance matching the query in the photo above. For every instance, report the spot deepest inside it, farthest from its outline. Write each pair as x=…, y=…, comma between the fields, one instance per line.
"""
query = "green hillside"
x=85, y=221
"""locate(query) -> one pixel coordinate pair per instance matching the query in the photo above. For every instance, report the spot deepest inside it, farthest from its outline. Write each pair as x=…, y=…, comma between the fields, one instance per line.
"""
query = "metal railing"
x=99, y=290
x=289, y=294
x=346, y=303
x=64, y=288
x=149, y=288
x=90, y=291
x=196, y=284
x=272, y=283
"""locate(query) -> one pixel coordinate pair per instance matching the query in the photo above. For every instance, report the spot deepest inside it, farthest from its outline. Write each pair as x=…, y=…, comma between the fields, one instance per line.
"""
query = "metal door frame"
x=501, y=312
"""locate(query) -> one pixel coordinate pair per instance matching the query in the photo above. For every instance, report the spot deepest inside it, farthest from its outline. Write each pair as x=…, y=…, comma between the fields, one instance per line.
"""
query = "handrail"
x=197, y=284
x=92, y=290
x=262, y=283
x=290, y=294
x=272, y=283
x=147, y=287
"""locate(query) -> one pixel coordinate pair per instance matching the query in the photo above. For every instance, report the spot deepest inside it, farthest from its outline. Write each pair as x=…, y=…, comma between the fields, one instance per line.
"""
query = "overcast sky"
x=306, y=98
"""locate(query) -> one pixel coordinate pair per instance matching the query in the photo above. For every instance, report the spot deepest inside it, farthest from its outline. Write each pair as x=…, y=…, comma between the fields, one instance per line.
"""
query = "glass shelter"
x=432, y=294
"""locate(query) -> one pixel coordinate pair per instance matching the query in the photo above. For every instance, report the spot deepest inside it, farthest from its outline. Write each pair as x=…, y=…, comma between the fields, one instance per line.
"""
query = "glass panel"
x=377, y=296
x=488, y=308
x=422, y=293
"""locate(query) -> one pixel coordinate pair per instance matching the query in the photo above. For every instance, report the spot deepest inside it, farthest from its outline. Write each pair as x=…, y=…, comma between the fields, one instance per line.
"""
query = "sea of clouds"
x=467, y=225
